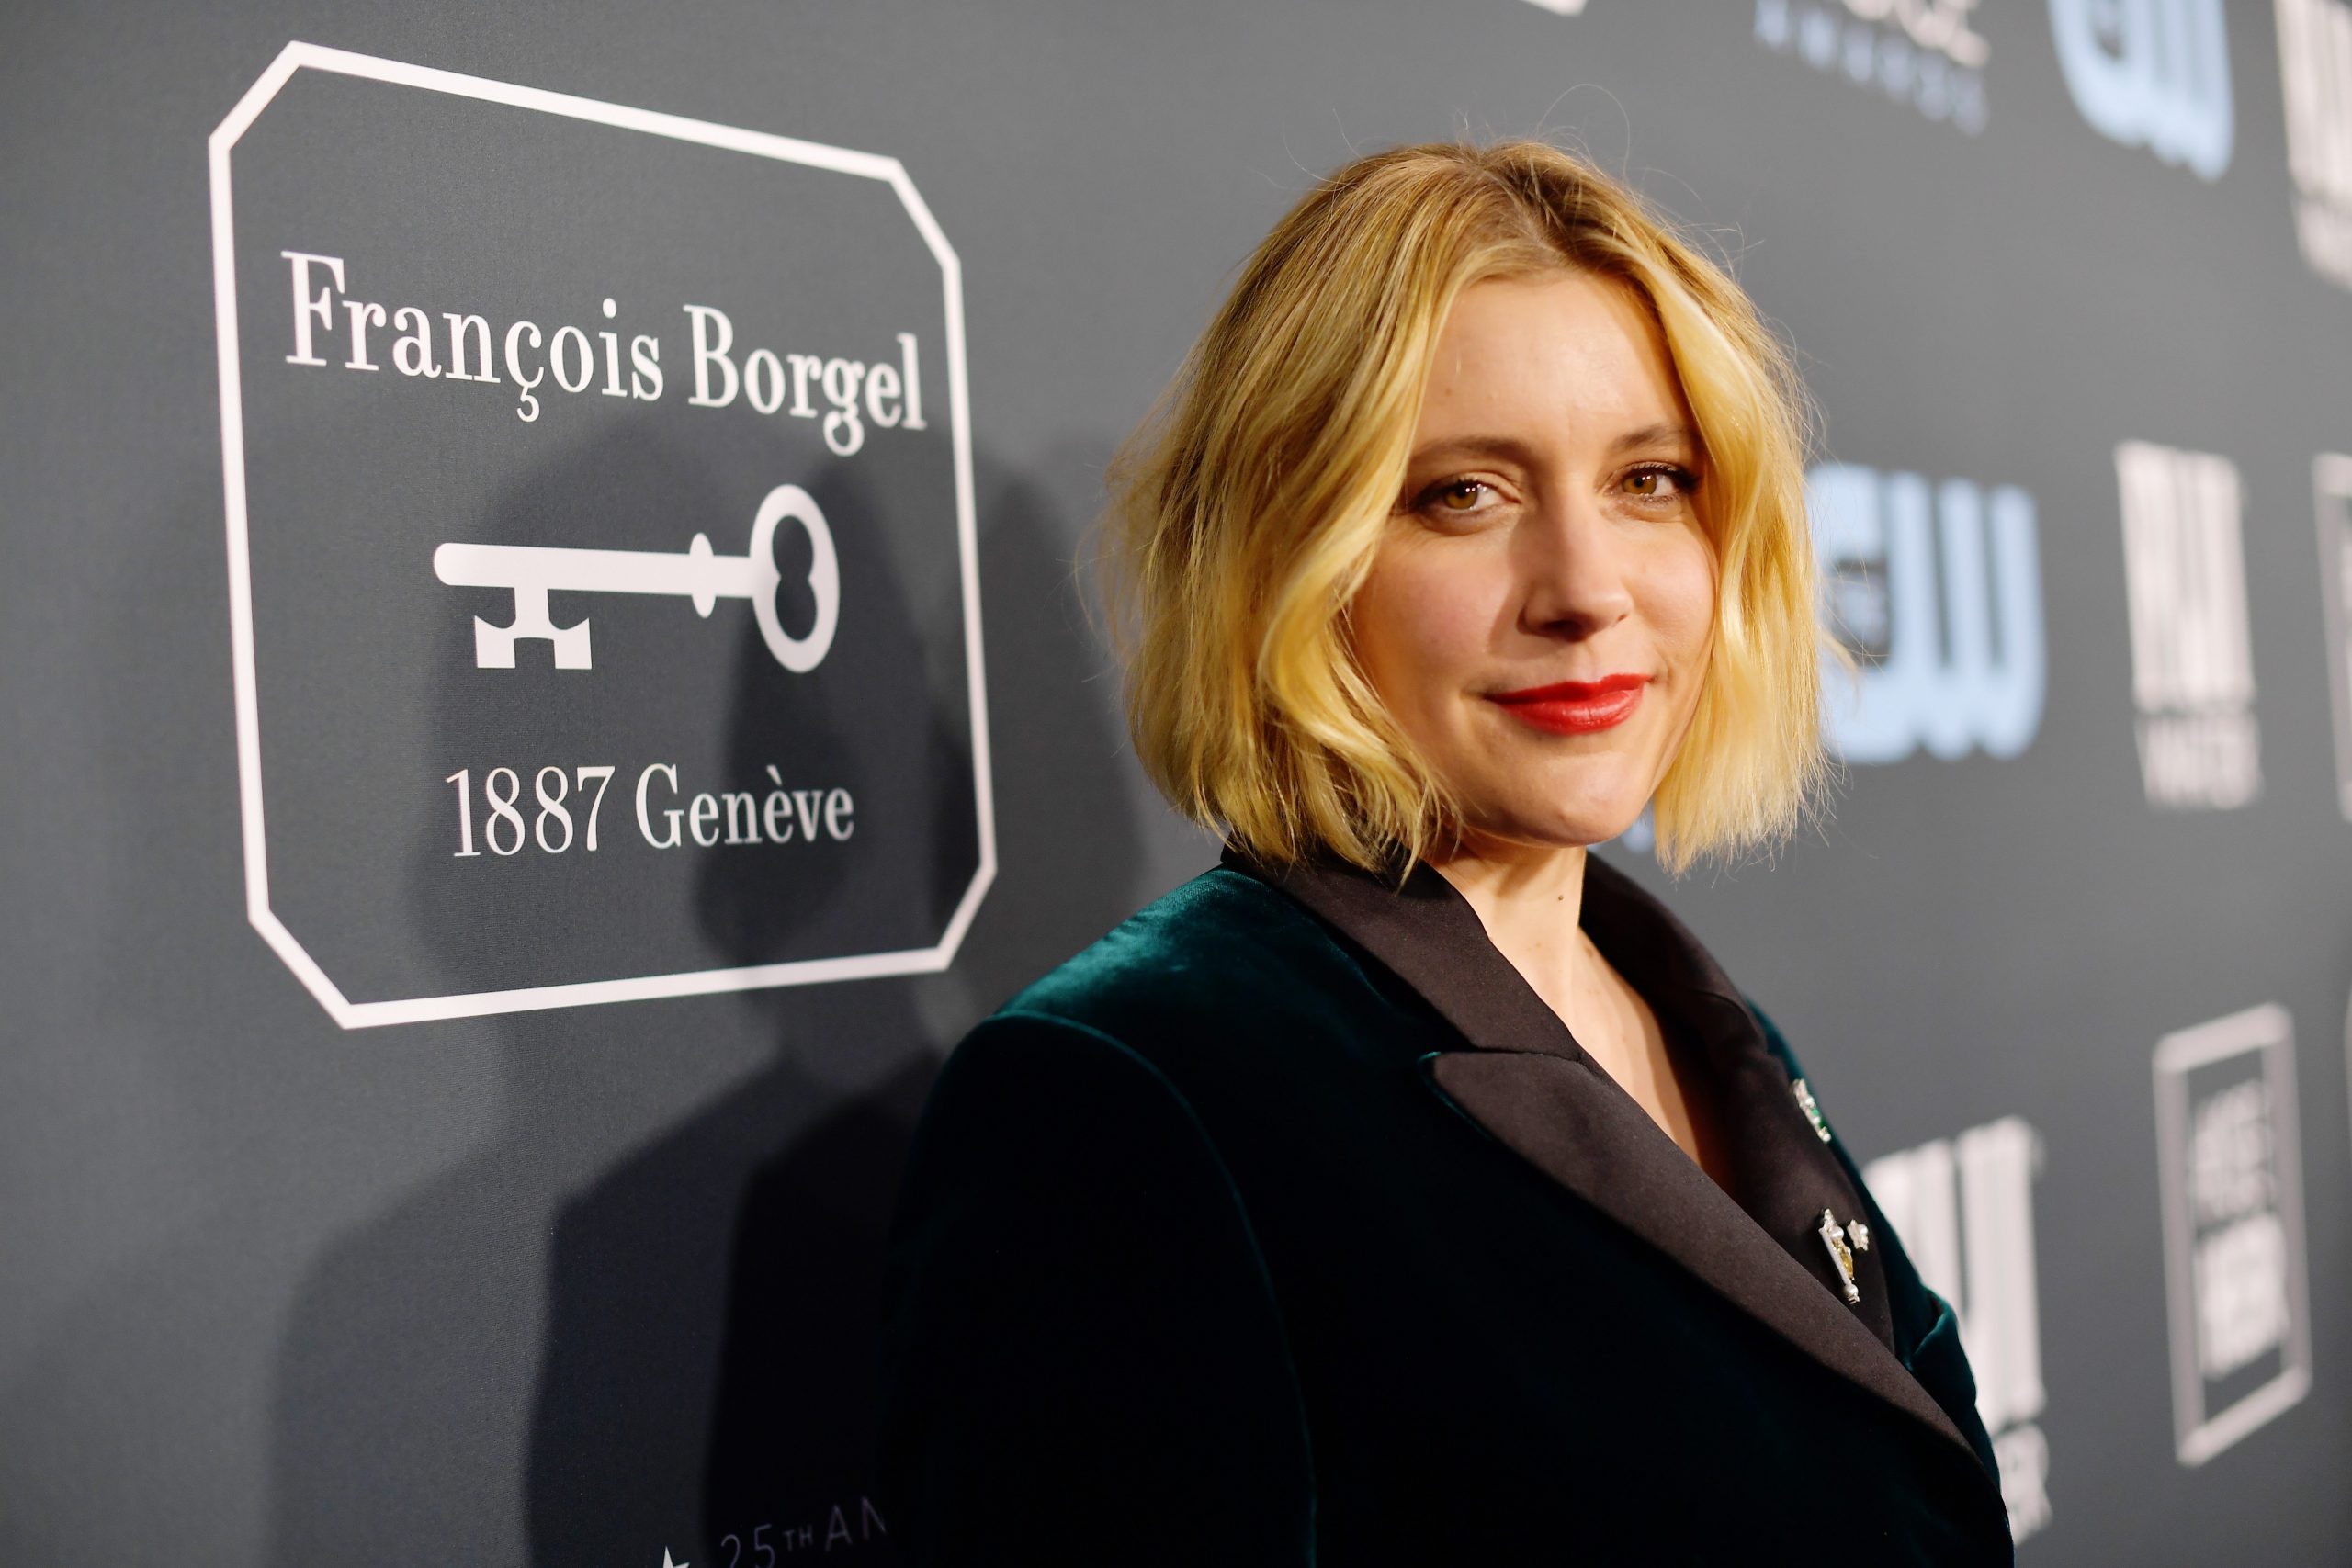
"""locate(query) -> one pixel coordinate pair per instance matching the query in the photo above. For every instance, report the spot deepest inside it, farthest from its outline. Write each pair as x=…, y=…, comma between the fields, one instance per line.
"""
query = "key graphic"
x=532, y=571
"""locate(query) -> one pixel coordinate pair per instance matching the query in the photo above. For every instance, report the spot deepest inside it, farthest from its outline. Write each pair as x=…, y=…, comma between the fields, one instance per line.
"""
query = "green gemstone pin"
x=1812, y=1110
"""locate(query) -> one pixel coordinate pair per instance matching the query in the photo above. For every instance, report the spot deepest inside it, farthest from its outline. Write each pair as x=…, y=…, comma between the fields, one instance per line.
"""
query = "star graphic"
x=667, y=1563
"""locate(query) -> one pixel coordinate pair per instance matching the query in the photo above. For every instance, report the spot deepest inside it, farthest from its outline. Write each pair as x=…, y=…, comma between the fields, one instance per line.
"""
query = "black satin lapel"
x=1534, y=1087
x=1782, y=1171
x=1431, y=937
x=1574, y=1124
x=1786, y=1176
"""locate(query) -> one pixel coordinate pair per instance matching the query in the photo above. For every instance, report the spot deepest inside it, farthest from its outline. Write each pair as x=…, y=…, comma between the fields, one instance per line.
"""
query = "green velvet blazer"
x=1287, y=1225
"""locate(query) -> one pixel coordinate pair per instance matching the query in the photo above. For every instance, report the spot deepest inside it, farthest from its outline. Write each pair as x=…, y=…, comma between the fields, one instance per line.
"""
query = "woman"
x=1413, y=1188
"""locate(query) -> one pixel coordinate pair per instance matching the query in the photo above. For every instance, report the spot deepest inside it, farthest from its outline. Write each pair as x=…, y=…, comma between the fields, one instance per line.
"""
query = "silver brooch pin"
x=1812, y=1109
x=1843, y=1242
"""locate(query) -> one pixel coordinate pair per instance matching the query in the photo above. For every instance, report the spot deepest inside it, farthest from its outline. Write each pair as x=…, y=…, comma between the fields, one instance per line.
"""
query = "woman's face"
x=1538, y=618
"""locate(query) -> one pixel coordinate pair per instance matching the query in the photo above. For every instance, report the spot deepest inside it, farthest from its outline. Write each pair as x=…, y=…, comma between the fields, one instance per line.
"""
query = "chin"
x=1589, y=801
x=1600, y=833
x=1589, y=817
x=1558, y=829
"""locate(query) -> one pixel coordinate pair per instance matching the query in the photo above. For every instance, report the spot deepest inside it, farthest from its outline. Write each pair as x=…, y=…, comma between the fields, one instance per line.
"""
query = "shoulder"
x=1224, y=951
x=1068, y=1247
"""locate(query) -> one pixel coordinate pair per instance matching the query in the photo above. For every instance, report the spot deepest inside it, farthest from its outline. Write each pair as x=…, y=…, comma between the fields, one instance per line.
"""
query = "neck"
x=1530, y=899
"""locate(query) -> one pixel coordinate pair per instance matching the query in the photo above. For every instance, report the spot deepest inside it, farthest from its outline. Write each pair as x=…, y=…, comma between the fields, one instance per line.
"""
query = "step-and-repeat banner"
x=546, y=638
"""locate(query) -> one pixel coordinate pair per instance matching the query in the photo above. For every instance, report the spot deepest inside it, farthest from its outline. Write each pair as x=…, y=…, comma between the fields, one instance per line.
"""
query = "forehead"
x=1572, y=351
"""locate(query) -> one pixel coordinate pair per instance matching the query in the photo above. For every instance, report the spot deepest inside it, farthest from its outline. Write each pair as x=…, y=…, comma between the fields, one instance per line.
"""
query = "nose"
x=1574, y=572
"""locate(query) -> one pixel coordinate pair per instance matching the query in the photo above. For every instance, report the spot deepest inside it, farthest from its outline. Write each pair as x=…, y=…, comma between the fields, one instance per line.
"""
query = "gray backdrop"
x=593, y=1283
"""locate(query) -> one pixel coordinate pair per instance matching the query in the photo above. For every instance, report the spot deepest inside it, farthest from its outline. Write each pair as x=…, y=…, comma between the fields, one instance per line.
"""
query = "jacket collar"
x=1522, y=1076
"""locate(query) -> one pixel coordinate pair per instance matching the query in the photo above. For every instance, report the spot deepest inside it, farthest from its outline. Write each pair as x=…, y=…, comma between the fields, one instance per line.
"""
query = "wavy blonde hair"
x=1246, y=512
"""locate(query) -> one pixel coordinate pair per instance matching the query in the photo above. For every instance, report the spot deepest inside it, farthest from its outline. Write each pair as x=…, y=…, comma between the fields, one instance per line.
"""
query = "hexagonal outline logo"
x=298, y=56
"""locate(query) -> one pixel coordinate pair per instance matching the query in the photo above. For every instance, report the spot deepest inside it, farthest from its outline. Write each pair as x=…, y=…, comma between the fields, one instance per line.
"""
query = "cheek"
x=1420, y=621
x=1681, y=599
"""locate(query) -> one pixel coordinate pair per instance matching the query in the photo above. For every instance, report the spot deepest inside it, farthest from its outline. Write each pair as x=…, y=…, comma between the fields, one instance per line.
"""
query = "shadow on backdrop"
x=704, y=1366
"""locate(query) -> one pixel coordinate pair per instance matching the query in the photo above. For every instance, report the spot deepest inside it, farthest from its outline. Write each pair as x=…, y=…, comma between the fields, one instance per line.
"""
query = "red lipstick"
x=1574, y=707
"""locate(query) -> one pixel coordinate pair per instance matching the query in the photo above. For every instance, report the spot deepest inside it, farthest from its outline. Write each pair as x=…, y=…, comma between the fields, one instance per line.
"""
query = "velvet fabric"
x=1287, y=1225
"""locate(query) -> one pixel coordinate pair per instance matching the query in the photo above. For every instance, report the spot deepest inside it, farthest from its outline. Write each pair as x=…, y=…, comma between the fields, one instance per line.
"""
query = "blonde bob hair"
x=1246, y=512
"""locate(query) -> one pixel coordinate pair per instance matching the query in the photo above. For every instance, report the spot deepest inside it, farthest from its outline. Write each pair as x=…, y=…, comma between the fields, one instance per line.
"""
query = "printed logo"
x=2192, y=662
x=602, y=551
x=2316, y=71
x=1921, y=52
x=1937, y=589
x=1962, y=1208
x=2153, y=73
x=2332, y=485
x=2234, y=1267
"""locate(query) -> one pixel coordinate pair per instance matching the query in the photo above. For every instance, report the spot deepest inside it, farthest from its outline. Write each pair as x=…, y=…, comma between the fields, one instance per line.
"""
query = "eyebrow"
x=1512, y=449
x=1654, y=435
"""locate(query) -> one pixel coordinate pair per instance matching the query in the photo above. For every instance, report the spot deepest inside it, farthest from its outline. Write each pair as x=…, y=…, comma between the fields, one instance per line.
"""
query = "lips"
x=1574, y=707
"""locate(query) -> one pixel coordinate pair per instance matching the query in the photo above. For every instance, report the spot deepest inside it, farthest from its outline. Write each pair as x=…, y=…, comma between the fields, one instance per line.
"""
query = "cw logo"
x=1947, y=583
x=2151, y=72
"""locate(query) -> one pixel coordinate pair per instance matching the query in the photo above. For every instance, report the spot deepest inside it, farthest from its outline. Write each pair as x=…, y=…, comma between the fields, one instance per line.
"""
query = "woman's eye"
x=1661, y=483
x=1458, y=498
